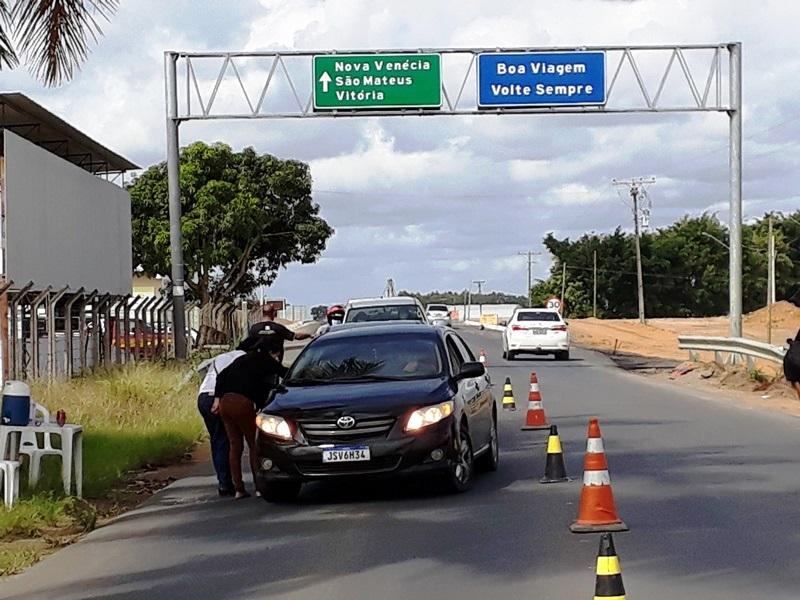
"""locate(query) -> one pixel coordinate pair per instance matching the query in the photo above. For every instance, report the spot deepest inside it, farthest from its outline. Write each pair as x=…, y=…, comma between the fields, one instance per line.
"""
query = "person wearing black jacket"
x=242, y=388
x=791, y=364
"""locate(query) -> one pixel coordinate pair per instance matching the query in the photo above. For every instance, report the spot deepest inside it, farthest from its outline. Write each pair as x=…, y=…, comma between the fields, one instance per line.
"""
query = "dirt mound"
x=784, y=314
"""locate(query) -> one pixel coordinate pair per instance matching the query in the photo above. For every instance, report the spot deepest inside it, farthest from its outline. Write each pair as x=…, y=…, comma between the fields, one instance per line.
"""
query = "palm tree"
x=51, y=36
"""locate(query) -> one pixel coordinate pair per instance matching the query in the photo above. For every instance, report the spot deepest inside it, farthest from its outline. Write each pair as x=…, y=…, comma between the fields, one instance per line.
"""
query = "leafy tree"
x=685, y=268
x=51, y=35
x=576, y=302
x=244, y=217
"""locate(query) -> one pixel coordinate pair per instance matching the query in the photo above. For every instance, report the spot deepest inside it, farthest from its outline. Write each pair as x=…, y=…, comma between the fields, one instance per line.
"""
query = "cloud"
x=574, y=194
x=437, y=202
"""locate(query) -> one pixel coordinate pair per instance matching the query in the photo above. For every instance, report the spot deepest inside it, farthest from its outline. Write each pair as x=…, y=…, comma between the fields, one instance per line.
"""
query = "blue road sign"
x=541, y=79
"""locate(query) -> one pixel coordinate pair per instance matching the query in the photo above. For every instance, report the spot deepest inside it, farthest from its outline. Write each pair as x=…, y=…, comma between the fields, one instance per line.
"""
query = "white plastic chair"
x=29, y=444
x=10, y=481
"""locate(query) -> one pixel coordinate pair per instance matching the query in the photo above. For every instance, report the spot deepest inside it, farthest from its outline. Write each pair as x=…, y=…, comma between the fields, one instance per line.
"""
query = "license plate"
x=345, y=454
x=537, y=331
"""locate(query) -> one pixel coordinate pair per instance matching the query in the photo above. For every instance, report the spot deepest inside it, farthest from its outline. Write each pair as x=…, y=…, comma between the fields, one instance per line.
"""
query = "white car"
x=380, y=310
x=438, y=314
x=536, y=331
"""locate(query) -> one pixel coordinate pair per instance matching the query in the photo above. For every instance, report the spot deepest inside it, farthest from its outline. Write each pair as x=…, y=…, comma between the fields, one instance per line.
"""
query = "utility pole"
x=173, y=183
x=530, y=254
x=479, y=283
x=635, y=188
x=770, y=279
x=594, y=284
x=563, y=285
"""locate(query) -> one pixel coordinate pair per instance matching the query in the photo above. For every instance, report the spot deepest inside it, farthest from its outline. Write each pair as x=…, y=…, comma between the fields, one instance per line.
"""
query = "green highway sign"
x=376, y=81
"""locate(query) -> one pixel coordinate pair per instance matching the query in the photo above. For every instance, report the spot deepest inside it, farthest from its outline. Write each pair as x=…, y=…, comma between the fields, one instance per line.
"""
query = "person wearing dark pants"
x=218, y=438
x=220, y=448
x=241, y=390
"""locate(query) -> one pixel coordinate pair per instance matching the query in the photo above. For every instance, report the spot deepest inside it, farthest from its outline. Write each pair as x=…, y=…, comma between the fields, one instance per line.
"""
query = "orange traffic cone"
x=535, y=417
x=482, y=356
x=596, y=512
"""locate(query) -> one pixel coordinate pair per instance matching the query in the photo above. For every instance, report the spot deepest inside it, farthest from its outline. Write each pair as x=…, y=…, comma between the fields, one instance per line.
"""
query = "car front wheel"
x=461, y=468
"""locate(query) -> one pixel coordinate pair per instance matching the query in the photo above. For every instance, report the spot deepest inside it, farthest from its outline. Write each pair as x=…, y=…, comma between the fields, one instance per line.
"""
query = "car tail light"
x=559, y=328
x=518, y=328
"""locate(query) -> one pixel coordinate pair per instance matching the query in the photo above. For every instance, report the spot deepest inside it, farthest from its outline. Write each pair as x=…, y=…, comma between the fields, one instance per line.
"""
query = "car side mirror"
x=471, y=370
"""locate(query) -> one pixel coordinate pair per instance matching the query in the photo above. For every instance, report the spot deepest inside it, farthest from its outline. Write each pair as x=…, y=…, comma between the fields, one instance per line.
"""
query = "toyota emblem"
x=346, y=423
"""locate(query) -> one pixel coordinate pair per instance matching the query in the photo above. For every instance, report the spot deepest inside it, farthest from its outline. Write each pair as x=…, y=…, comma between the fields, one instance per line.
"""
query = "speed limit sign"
x=554, y=303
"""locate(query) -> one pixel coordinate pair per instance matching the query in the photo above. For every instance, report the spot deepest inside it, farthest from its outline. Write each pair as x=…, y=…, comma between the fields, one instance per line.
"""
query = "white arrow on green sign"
x=376, y=81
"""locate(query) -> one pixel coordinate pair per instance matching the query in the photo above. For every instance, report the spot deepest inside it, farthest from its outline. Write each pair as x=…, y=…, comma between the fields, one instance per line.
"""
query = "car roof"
x=547, y=310
x=390, y=301
x=383, y=328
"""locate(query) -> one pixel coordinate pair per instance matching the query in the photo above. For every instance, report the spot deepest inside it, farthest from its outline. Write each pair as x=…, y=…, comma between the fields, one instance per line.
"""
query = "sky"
x=435, y=203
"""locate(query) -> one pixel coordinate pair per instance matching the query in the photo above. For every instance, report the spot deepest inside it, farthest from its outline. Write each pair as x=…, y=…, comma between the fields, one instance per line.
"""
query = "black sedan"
x=378, y=400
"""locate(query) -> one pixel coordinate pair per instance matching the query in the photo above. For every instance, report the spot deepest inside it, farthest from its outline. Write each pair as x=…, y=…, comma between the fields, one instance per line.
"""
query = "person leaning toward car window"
x=791, y=364
x=241, y=389
x=218, y=438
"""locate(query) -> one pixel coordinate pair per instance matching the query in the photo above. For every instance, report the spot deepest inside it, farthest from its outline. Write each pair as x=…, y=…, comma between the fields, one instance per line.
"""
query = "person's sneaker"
x=226, y=493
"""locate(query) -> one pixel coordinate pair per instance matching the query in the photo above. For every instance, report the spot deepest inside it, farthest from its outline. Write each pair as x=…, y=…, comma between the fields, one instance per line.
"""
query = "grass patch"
x=133, y=417
x=758, y=376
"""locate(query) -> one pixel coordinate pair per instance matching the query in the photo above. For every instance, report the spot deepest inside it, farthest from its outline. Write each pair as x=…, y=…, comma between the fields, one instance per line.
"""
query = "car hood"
x=386, y=397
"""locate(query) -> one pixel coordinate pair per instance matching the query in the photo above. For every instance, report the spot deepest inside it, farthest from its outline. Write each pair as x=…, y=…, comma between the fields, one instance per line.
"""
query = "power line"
x=653, y=275
x=529, y=254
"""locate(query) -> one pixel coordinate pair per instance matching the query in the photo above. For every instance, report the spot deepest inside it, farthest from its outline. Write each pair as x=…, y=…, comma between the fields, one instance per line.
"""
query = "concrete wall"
x=64, y=226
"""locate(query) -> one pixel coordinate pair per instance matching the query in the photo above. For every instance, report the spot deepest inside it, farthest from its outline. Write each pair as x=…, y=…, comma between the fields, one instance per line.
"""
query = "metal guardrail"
x=733, y=346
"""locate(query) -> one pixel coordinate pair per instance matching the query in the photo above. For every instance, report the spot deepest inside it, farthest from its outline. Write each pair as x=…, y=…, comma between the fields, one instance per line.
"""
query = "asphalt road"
x=710, y=492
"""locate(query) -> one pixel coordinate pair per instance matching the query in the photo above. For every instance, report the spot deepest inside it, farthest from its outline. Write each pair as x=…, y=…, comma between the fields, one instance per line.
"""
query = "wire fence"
x=53, y=334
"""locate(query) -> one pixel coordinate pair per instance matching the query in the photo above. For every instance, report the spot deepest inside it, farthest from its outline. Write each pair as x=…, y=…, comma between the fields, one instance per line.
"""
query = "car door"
x=485, y=396
x=468, y=391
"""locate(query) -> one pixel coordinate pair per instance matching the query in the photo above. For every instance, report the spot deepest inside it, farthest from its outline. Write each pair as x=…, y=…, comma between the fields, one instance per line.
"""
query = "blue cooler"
x=16, y=403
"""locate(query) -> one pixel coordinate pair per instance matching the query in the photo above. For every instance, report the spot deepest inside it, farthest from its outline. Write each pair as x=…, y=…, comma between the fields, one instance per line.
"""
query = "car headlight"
x=428, y=415
x=274, y=425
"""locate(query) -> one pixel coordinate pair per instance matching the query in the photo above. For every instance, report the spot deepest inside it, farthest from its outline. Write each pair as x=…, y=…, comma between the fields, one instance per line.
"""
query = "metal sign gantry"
x=436, y=82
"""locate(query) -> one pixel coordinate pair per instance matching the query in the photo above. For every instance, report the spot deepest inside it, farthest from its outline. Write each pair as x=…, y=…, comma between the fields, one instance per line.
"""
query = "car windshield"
x=397, y=312
x=437, y=308
x=367, y=358
x=538, y=316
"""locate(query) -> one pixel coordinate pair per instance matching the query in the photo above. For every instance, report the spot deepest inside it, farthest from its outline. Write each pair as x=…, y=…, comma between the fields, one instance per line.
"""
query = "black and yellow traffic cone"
x=554, y=469
x=508, y=396
x=609, y=575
